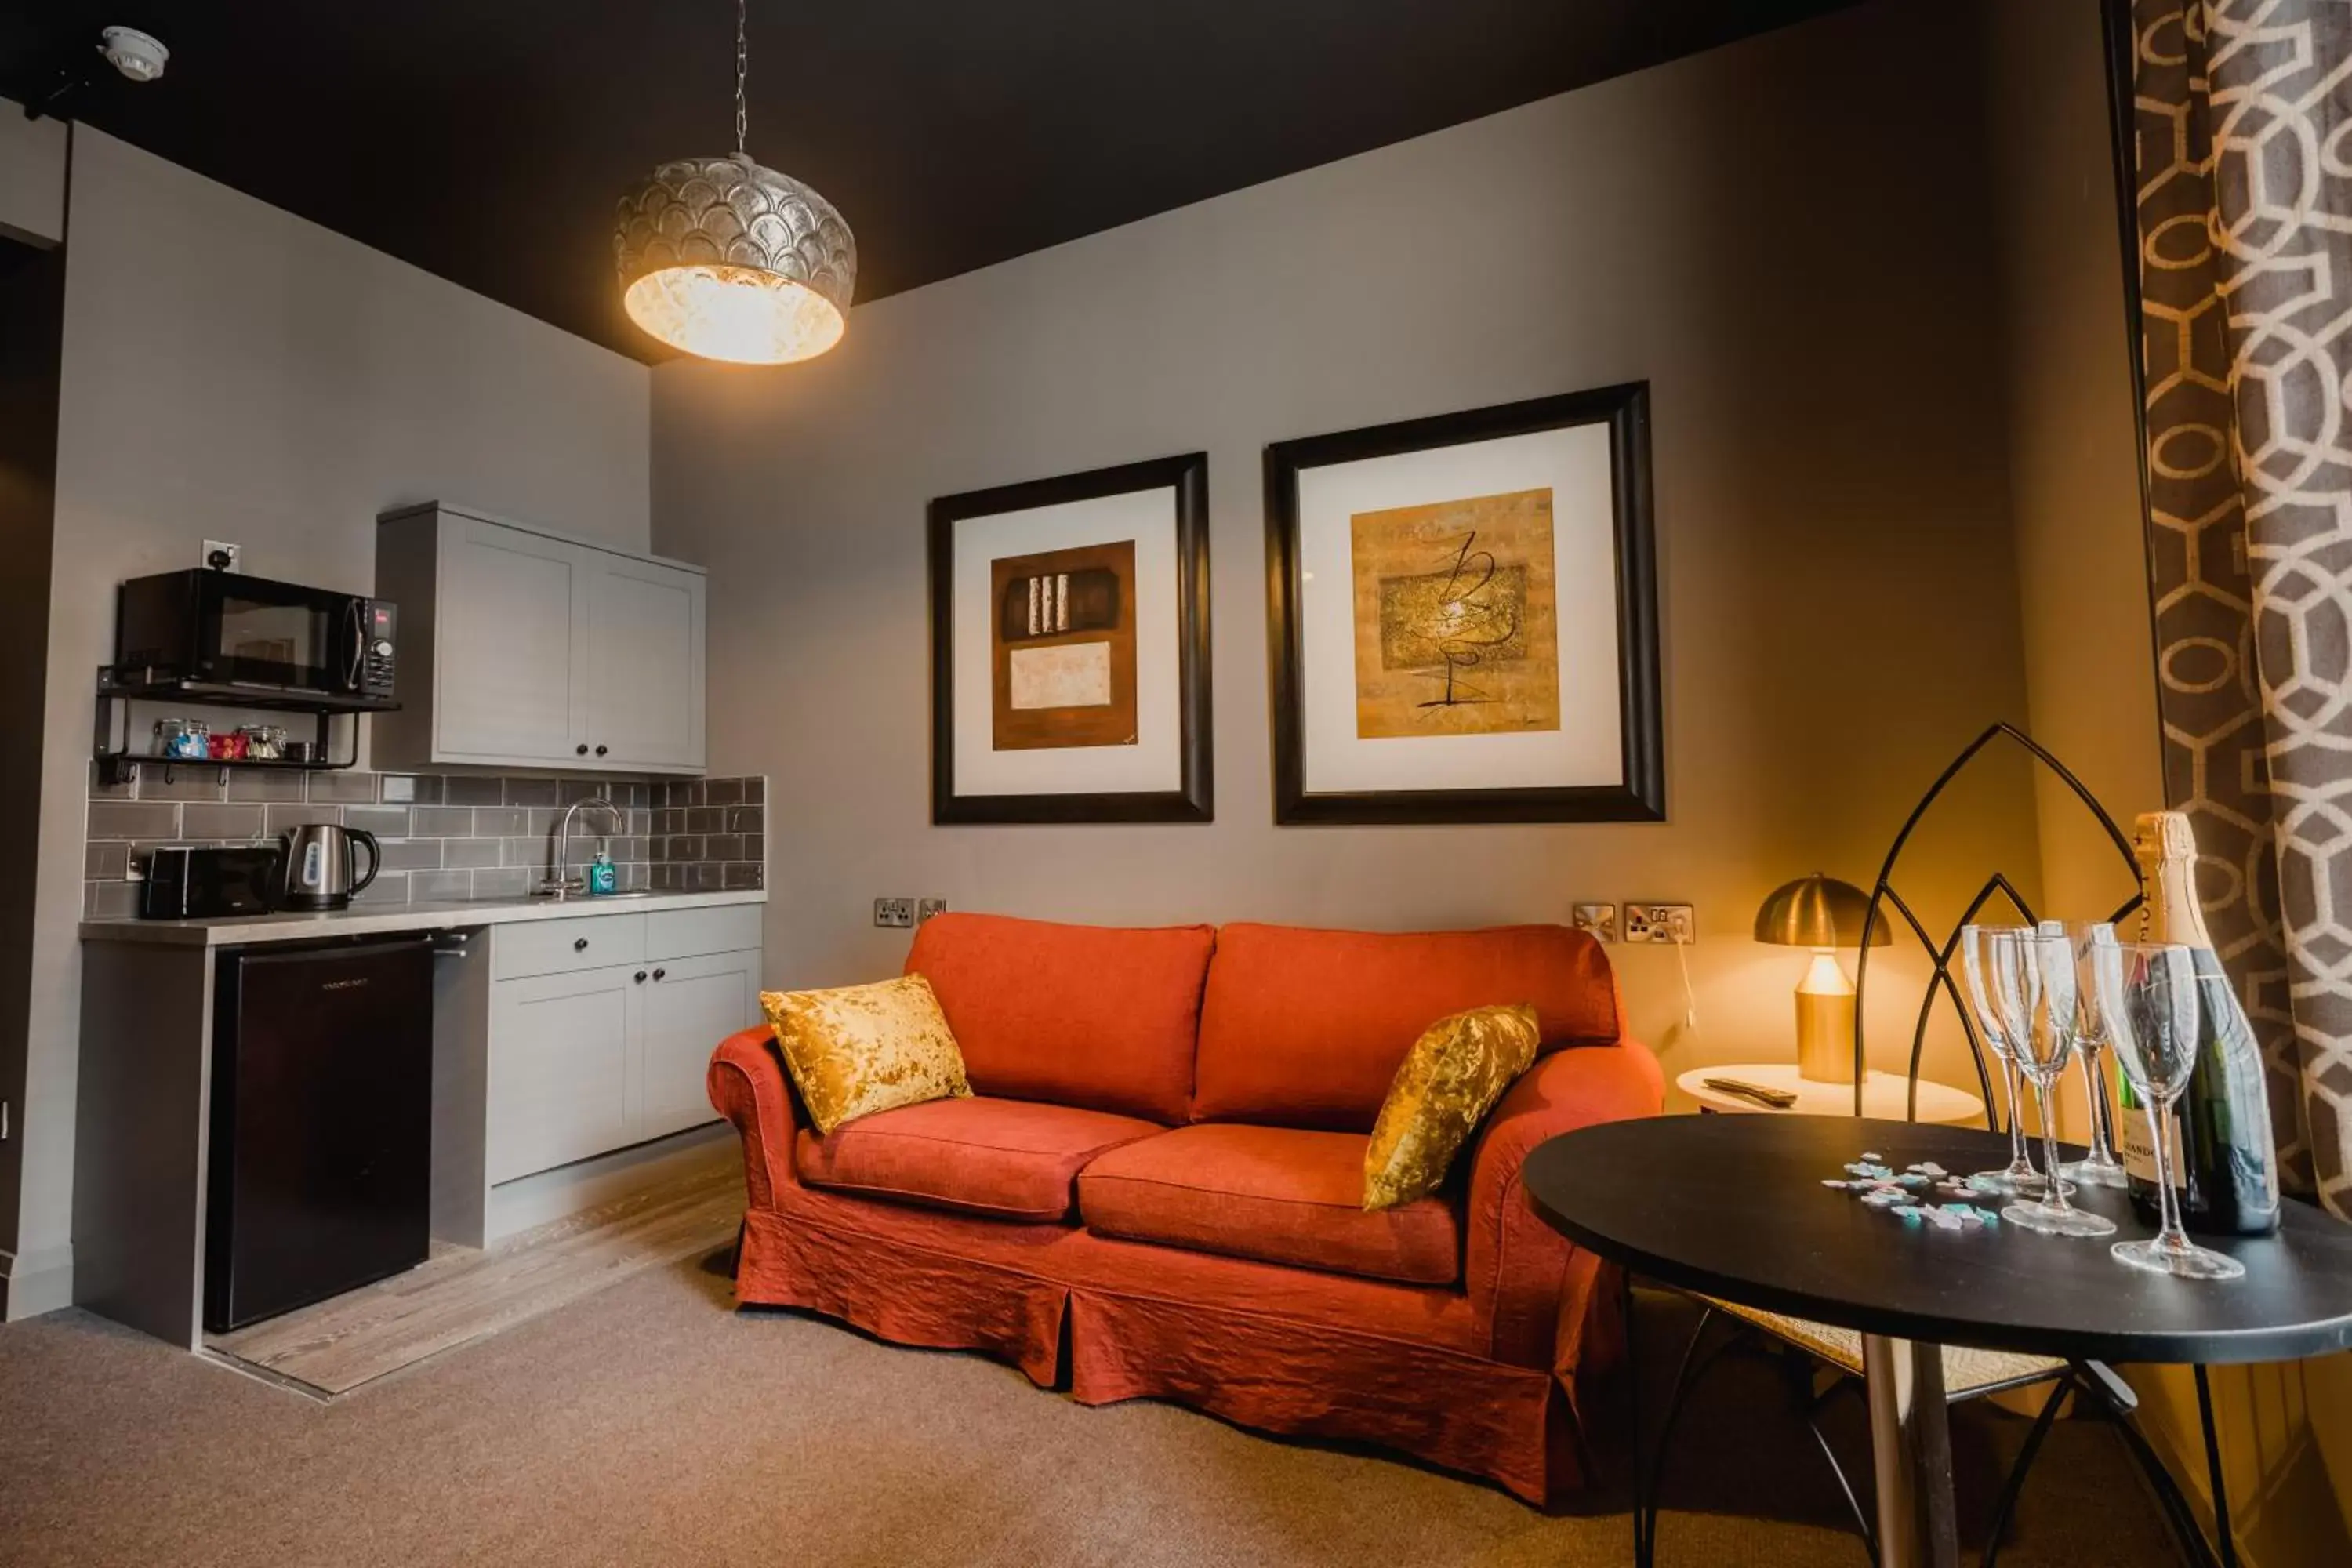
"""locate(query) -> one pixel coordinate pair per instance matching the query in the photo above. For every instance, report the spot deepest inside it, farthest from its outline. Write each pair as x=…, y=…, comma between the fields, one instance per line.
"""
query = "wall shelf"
x=119, y=764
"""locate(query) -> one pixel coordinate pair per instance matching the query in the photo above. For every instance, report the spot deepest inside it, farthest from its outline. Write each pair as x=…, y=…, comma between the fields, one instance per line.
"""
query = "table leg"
x=1911, y=1453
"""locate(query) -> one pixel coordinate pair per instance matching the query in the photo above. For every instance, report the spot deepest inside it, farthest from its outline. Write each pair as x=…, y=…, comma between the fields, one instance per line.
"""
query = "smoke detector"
x=137, y=55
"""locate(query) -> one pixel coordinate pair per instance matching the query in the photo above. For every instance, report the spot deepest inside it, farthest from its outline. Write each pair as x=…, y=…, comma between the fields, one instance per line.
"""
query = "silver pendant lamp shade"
x=730, y=260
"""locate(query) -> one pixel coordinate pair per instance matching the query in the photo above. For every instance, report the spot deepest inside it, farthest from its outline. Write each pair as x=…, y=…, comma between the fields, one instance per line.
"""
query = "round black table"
x=1733, y=1207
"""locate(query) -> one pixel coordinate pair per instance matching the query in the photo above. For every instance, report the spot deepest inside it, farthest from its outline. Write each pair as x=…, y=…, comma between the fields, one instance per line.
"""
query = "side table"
x=1884, y=1095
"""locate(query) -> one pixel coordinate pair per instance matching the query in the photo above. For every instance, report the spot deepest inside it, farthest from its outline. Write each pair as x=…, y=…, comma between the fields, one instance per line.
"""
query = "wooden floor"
x=460, y=1295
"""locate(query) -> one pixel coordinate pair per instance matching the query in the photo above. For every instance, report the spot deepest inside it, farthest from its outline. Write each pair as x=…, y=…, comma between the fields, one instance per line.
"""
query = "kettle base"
x=313, y=903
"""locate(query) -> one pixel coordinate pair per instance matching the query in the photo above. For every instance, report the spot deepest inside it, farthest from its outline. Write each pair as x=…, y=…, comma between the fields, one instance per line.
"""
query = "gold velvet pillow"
x=864, y=1048
x=1449, y=1080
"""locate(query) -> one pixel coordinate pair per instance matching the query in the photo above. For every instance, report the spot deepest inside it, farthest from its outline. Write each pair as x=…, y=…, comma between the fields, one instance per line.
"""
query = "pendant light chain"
x=741, y=71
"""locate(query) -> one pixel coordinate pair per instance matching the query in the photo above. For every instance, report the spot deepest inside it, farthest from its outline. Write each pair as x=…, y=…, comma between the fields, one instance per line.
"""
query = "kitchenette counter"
x=367, y=921
x=566, y=1061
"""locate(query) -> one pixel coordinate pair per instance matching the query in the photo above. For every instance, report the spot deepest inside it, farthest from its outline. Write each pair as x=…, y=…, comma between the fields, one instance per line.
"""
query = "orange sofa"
x=1156, y=1188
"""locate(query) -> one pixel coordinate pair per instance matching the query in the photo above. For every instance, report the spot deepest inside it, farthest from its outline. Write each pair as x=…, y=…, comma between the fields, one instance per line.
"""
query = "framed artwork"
x=1462, y=617
x=1070, y=648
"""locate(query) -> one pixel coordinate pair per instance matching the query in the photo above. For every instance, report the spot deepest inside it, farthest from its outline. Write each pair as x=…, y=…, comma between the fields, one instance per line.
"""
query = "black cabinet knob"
x=659, y=973
x=579, y=945
x=641, y=977
x=581, y=749
x=600, y=750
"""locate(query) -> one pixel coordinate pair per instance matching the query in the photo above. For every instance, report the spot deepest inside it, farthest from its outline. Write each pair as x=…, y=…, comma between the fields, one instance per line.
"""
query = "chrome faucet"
x=562, y=884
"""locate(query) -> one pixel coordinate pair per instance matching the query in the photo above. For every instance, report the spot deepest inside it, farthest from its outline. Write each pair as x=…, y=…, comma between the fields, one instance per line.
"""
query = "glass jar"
x=182, y=738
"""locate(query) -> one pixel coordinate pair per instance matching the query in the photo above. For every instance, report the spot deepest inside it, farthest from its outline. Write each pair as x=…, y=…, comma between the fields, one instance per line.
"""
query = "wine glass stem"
x=2094, y=1082
x=2169, y=1236
x=2055, y=1200
x=2016, y=1116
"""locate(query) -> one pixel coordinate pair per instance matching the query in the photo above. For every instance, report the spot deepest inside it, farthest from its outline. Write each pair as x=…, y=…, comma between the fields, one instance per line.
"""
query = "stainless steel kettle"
x=316, y=866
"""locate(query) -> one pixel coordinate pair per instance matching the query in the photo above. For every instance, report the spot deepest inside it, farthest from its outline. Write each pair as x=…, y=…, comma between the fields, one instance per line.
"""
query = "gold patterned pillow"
x=1448, y=1081
x=864, y=1048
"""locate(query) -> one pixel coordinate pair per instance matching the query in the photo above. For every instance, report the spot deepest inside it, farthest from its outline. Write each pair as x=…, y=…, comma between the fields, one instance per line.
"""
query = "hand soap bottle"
x=603, y=878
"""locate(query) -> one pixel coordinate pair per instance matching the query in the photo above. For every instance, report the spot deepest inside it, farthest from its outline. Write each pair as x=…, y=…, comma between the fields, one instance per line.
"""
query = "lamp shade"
x=730, y=260
x=1818, y=912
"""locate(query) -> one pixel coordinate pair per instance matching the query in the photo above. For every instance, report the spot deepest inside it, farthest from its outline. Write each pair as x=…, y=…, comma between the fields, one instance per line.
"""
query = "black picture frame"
x=1194, y=798
x=1640, y=795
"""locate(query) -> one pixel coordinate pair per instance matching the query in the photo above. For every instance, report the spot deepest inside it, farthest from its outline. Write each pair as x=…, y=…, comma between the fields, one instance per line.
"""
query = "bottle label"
x=2138, y=1140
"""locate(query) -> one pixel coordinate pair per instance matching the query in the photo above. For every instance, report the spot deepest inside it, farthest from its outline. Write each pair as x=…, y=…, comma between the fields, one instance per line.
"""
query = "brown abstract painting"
x=1061, y=647
x=1456, y=617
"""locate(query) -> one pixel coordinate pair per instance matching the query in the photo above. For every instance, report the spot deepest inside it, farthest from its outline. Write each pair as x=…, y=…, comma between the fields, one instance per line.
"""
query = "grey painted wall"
x=233, y=372
x=32, y=303
x=2090, y=663
x=1787, y=238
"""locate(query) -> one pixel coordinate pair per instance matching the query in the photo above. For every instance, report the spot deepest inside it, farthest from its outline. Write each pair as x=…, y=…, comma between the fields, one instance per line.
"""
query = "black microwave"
x=226, y=629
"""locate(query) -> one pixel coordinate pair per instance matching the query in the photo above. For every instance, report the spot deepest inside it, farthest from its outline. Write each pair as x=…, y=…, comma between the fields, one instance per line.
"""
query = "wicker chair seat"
x=1967, y=1372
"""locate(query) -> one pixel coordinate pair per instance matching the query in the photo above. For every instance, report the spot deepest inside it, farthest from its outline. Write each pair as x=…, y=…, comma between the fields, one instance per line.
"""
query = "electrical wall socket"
x=927, y=907
x=1661, y=923
x=216, y=547
x=1600, y=919
x=898, y=913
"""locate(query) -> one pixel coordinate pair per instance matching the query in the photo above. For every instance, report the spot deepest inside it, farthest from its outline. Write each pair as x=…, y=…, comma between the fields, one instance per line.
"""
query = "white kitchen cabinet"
x=584, y=1060
x=564, y=1048
x=645, y=681
x=689, y=1006
x=519, y=646
x=511, y=609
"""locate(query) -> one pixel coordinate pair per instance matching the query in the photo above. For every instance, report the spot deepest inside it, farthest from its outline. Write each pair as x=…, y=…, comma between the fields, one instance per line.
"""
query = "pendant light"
x=730, y=260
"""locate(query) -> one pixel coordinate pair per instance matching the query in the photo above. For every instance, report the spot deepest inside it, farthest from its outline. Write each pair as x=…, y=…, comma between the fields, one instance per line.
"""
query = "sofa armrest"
x=1517, y=1270
x=747, y=1085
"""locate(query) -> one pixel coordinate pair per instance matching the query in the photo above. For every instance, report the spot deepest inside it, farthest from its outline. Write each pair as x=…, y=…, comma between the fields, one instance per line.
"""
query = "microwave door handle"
x=358, y=615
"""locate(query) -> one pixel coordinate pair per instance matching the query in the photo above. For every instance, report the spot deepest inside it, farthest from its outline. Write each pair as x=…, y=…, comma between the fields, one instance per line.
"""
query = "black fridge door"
x=321, y=1124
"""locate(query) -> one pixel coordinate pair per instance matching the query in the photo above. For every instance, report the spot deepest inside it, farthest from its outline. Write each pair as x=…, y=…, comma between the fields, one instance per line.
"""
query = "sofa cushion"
x=1008, y=1158
x=1450, y=1079
x=1086, y=1015
x=864, y=1048
x=1268, y=1192
x=1307, y=1029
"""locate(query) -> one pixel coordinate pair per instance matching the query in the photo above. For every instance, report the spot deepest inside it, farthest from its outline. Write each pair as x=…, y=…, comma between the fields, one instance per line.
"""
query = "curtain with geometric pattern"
x=2241, y=125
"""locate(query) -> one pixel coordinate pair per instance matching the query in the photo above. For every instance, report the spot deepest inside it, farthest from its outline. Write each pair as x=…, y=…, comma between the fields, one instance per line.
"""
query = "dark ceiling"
x=487, y=139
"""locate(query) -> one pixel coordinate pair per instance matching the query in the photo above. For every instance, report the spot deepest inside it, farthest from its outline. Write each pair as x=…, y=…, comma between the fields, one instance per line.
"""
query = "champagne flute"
x=2036, y=986
x=2149, y=991
x=2100, y=1167
x=2018, y=1177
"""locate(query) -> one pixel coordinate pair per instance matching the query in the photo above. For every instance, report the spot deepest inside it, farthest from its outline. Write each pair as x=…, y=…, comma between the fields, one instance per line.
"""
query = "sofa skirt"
x=1280, y=1350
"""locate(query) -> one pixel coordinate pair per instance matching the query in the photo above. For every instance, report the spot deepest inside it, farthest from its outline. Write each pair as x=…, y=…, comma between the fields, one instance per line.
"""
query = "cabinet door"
x=512, y=611
x=695, y=1003
x=645, y=680
x=562, y=1051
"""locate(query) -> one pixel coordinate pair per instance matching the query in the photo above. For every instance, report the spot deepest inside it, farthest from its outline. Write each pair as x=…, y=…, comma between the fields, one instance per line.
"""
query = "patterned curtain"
x=2241, y=121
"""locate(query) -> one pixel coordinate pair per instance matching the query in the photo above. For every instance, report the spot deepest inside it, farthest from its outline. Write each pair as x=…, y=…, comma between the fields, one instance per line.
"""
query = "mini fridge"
x=321, y=1123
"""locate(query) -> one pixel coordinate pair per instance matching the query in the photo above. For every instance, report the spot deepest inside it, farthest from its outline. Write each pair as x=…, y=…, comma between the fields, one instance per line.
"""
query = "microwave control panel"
x=376, y=655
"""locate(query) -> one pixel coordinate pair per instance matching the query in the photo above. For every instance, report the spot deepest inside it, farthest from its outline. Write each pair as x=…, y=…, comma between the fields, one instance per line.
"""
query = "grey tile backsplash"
x=709, y=834
x=445, y=835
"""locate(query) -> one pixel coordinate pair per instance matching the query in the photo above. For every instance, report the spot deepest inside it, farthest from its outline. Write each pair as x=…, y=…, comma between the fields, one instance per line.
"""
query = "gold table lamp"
x=1824, y=914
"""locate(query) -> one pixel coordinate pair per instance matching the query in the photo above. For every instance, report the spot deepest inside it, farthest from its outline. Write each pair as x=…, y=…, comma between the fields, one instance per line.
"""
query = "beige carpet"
x=649, y=1424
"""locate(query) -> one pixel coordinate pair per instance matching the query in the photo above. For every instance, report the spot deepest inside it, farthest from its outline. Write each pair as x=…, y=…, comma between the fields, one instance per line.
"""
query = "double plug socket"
x=1645, y=923
x=899, y=914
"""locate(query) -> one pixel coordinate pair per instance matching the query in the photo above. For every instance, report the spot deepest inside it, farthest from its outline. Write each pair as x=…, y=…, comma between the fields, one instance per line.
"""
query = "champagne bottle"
x=2224, y=1159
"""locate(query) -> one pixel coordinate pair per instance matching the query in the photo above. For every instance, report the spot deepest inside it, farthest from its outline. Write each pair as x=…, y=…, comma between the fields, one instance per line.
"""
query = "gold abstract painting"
x=1456, y=617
